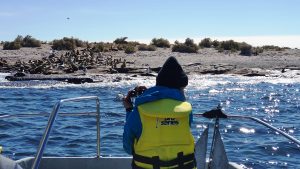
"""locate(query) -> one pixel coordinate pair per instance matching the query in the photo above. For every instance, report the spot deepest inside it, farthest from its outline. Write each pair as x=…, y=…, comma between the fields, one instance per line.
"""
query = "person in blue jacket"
x=157, y=129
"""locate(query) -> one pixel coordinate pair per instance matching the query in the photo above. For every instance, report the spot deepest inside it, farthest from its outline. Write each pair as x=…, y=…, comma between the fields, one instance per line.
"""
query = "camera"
x=132, y=93
x=129, y=99
x=136, y=92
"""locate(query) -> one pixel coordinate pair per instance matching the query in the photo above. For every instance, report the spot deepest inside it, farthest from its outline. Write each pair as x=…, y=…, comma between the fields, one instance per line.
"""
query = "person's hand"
x=127, y=103
x=140, y=90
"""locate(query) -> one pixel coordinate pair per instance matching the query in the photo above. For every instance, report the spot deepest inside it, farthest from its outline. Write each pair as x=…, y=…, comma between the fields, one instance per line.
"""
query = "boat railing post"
x=216, y=127
x=45, y=137
x=50, y=123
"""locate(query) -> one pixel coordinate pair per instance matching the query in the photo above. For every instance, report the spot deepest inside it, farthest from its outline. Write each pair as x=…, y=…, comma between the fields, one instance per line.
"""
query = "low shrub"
x=129, y=49
x=230, y=45
x=14, y=45
x=29, y=41
x=11, y=45
x=183, y=48
x=272, y=47
x=187, y=47
x=161, y=43
x=133, y=43
x=63, y=45
x=123, y=46
x=120, y=46
x=215, y=44
x=67, y=44
x=246, y=49
x=19, y=39
x=205, y=43
x=257, y=50
x=121, y=40
x=144, y=47
x=98, y=47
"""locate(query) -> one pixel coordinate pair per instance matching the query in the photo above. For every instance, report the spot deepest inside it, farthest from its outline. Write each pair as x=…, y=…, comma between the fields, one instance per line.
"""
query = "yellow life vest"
x=165, y=133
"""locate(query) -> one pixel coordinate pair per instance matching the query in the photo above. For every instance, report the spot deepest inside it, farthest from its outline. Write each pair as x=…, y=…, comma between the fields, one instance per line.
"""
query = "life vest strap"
x=182, y=161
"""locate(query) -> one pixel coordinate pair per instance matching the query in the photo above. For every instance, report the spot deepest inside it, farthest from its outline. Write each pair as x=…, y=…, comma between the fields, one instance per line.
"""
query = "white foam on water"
x=2, y=77
x=199, y=82
x=274, y=77
x=246, y=130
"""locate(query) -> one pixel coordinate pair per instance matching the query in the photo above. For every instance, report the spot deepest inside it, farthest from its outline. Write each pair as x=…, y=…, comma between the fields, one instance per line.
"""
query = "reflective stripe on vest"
x=165, y=130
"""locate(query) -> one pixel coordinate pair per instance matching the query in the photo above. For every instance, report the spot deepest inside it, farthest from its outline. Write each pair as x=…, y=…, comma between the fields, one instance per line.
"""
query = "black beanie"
x=171, y=75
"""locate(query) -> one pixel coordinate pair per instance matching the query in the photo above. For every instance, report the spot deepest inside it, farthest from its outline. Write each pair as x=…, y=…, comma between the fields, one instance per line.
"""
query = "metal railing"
x=218, y=113
x=222, y=161
x=51, y=120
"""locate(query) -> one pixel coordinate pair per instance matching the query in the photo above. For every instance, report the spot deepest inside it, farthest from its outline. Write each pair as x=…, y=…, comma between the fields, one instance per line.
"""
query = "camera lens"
x=133, y=93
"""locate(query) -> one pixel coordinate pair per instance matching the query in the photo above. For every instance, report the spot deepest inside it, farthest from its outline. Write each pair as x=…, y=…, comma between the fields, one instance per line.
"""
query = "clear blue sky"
x=106, y=20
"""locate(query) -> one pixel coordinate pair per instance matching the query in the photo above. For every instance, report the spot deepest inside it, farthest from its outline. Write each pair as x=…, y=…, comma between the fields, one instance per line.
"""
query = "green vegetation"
x=11, y=45
x=19, y=42
x=144, y=47
x=246, y=49
x=161, y=43
x=122, y=44
x=67, y=44
x=131, y=46
x=29, y=41
x=276, y=48
x=257, y=50
x=121, y=40
x=129, y=49
x=98, y=47
x=229, y=45
x=205, y=43
x=215, y=43
x=187, y=47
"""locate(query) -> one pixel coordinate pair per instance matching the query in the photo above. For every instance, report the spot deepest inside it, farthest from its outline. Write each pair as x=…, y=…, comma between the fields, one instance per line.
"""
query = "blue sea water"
x=274, y=99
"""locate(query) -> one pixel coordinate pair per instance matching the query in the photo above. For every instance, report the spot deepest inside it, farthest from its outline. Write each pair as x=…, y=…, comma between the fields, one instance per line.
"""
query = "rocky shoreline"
x=76, y=66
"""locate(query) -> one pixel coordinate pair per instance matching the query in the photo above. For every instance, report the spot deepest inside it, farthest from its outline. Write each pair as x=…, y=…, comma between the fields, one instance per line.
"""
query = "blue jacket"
x=133, y=125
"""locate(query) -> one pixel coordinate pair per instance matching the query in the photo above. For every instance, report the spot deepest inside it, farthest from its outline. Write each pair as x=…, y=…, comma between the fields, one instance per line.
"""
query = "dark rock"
x=148, y=74
x=9, y=78
x=75, y=80
x=79, y=80
x=215, y=71
x=253, y=74
x=111, y=70
x=19, y=74
x=122, y=70
x=155, y=69
x=117, y=79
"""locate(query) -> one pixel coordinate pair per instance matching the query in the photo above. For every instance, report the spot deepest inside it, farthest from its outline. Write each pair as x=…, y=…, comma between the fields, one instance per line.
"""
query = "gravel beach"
x=206, y=61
